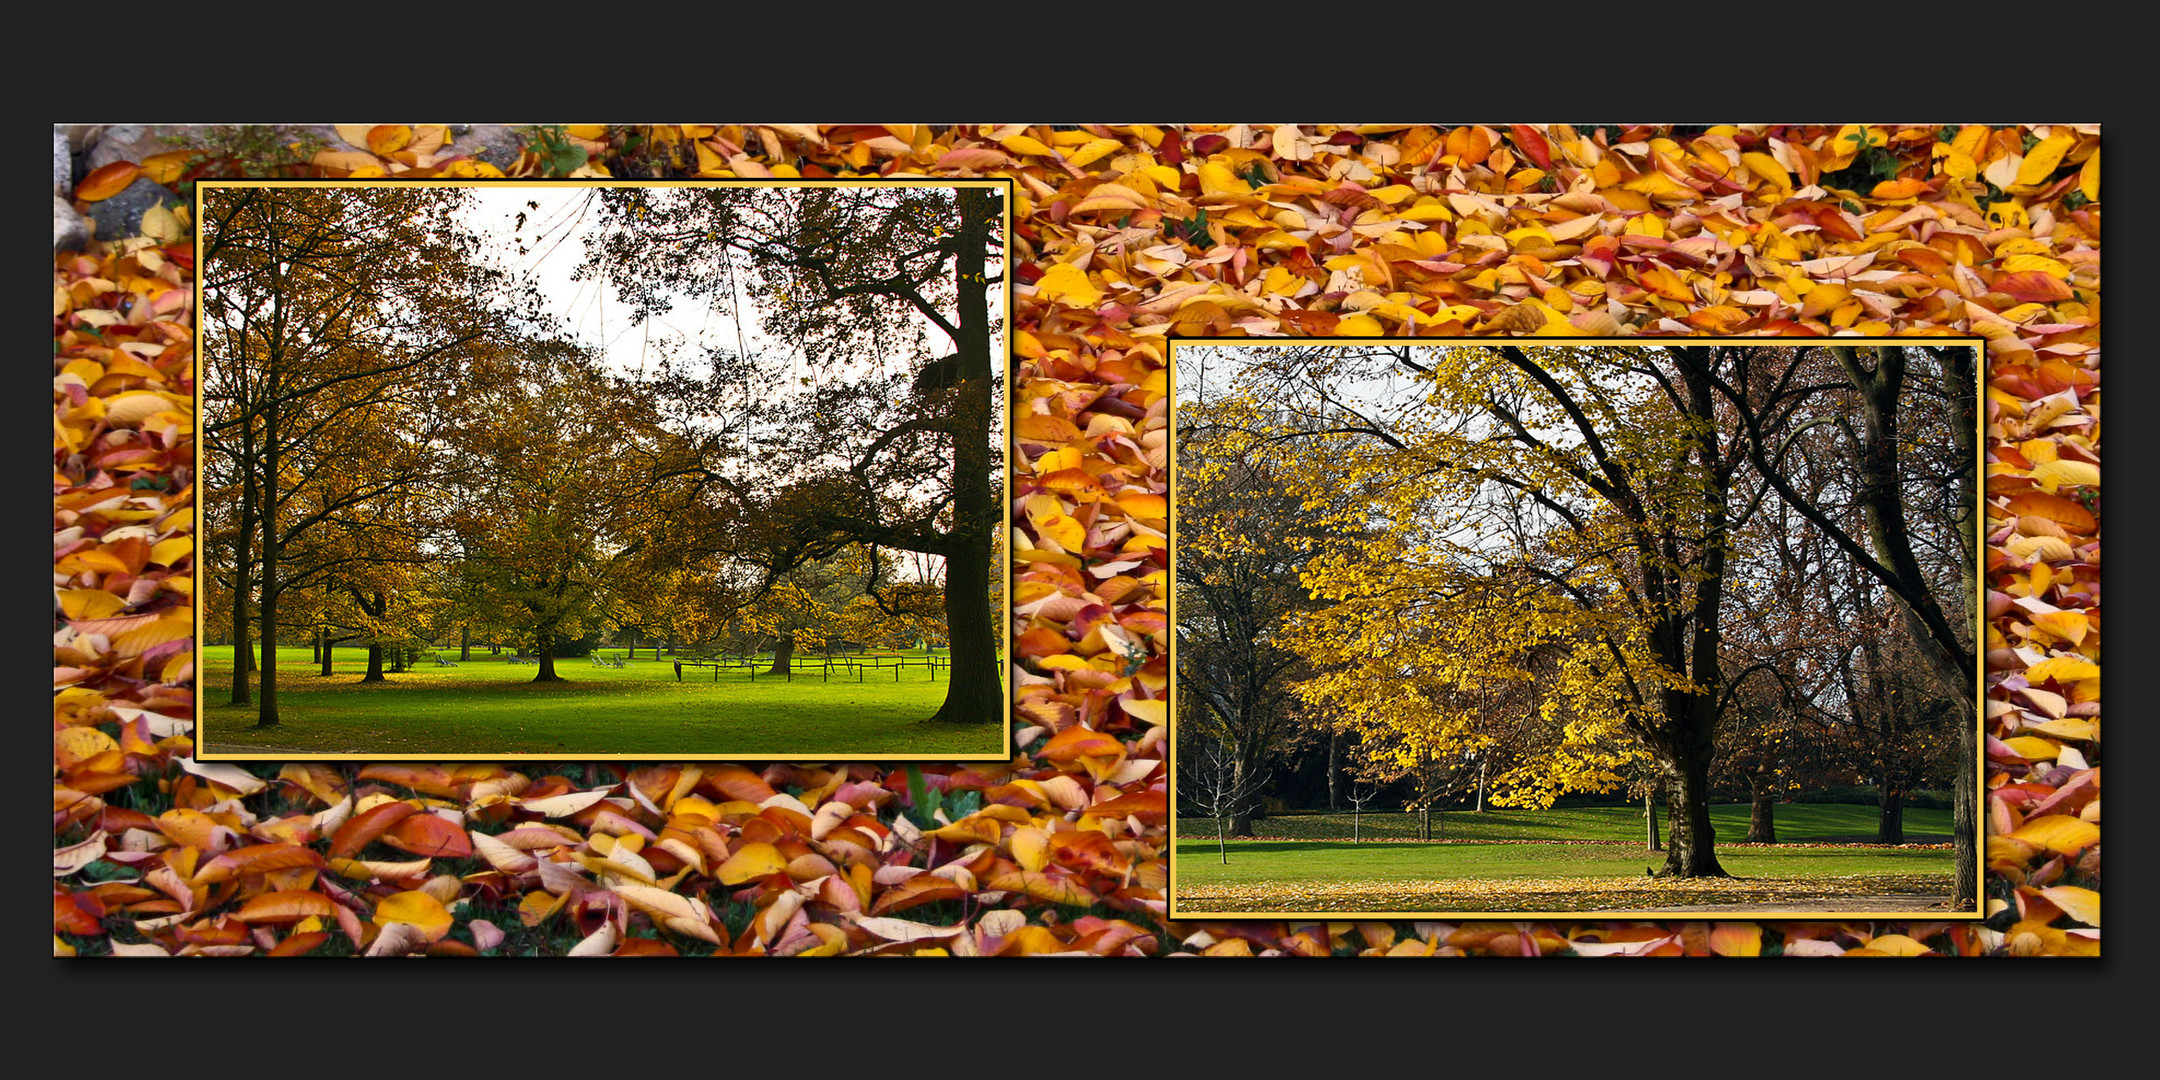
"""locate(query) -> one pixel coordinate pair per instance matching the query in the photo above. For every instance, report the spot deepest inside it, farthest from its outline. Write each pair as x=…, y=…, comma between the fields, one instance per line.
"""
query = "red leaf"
x=429, y=836
x=1532, y=145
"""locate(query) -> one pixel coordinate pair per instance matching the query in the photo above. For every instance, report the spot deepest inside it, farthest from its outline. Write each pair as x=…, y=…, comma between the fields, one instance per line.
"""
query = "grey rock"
x=495, y=144
x=120, y=217
x=81, y=137
x=124, y=142
x=63, y=163
x=69, y=231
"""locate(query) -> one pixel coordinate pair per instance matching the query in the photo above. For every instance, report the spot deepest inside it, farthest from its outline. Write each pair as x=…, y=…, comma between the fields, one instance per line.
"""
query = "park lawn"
x=487, y=706
x=1796, y=823
x=1564, y=871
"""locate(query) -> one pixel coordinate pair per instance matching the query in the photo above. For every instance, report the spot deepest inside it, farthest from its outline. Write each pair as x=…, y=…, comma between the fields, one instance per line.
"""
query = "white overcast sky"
x=554, y=234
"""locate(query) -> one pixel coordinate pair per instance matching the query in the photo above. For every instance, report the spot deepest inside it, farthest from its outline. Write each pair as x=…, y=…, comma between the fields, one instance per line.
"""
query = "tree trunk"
x=1762, y=810
x=464, y=641
x=547, y=660
x=783, y=655
x=1485, y=763
x=973, y=694
x=375, y=605
x=243, y=661
x=325, y=652
x=1890, y=813
x=267, y=715
x=1691, y=841
x=1334, y=769
x=1649, y=808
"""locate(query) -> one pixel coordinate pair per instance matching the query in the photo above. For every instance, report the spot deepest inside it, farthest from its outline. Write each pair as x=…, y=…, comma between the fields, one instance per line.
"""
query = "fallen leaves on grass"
x=1125, y=236
x=1856, y=892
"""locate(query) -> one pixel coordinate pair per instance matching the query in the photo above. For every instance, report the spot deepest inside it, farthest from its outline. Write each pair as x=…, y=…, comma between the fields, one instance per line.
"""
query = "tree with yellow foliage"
x=1488, y=505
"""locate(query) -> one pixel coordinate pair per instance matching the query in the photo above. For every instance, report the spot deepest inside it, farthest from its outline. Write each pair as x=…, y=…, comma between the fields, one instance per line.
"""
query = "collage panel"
x=599, y=469
x=1567, y=629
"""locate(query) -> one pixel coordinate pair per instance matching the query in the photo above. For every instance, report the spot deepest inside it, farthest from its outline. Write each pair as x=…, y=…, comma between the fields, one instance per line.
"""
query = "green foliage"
x=558, y=155
x=245, y=150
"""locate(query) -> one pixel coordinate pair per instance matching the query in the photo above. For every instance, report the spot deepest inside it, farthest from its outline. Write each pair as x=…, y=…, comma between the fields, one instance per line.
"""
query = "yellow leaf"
x=89, y=603
x=170, y=552
x=1021, y=144
x=1895, y=945
x=1030, y=848
x=2055, y=474
x=2063, y=669
x=2060, y=833
x=472, y=168
x=1958, y=164
x=1061, y=530
x=160, y=225
x=416, y=909
x=2080, y=904
x=166, y=168
x=1090, y=151
x=1736, y=939
x=2089, y=178
x=1359, y=326
x=2045, y=155
x=750, y=862
x=1217, y=179
x=1068, y=283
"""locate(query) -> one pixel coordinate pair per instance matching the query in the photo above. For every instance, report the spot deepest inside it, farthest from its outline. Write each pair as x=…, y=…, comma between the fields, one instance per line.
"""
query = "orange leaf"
x=108, y=181
x=300, y=944
x=388, y=139
x=1044, y=428
x=1056, y=889
x=1900, y=189
x=256, y=859
x=736, y=782
x=1148, y=806
x=2034, y=286
x=428, y=779
x=1469, y=145
x=287, y=906
x=1077, y=741
x=920, y=889
x=362, y=829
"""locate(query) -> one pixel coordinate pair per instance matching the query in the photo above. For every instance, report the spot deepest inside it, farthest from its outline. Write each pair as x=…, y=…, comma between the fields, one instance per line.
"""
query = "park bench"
x=606, y=661
x=529, y=661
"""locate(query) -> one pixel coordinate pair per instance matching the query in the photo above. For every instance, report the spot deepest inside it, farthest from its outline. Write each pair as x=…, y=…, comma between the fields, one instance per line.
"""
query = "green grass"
x=1580, y=860
x=1796, y=823
x=488, y=706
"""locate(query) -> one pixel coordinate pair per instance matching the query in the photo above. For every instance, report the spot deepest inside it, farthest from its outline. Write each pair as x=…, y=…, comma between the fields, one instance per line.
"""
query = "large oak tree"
x=862, y=413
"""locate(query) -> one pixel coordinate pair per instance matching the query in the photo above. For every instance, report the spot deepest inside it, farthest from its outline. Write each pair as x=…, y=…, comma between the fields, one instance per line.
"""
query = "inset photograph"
x=1578, y=628
x=601, y=469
